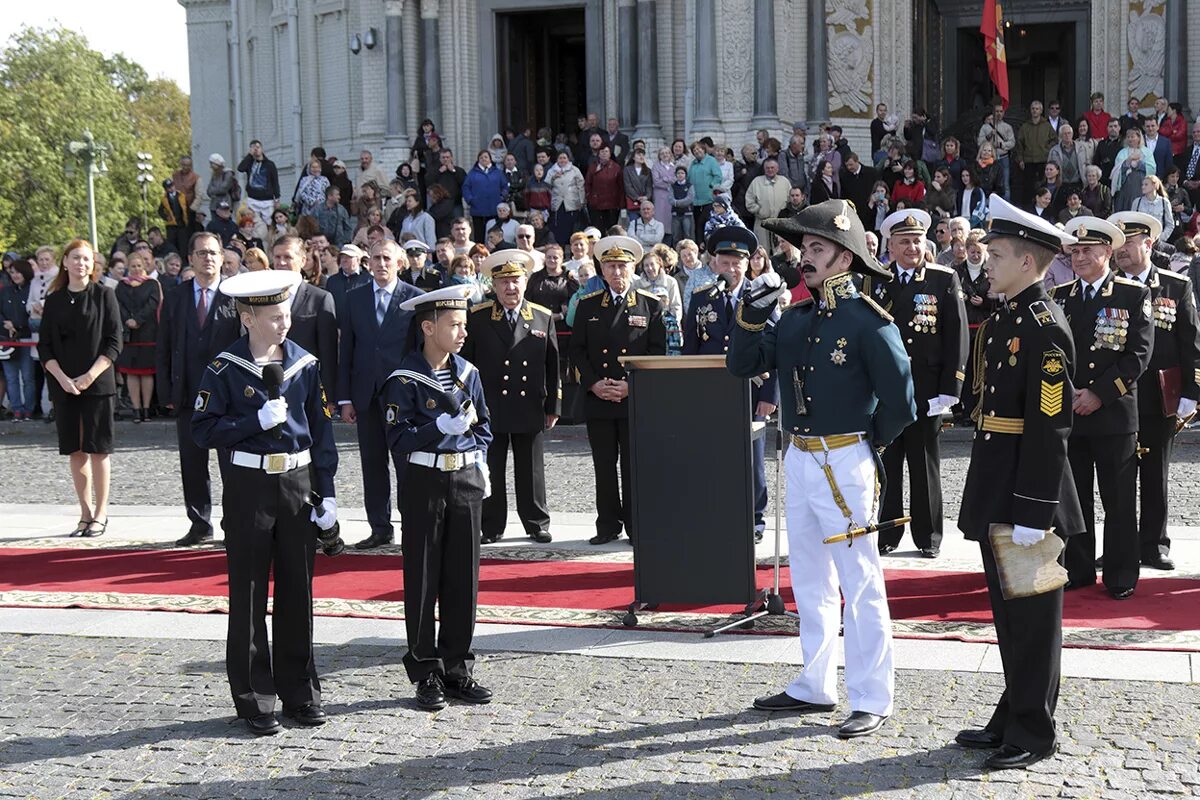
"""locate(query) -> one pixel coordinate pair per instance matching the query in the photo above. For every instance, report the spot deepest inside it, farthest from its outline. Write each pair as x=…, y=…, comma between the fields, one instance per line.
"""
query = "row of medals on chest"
x=925, y=319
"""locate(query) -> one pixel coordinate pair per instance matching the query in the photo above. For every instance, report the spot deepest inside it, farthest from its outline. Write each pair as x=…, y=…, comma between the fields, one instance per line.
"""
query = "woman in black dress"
x=80, y=341
x=139, y=297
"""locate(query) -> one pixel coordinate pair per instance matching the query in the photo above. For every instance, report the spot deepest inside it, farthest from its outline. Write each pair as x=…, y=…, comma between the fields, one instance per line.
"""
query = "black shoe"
x=604, y=538
x=373, y=541
x=193, y=538
x=81, y=528
x=1100, y=562
x=542, y=537
x=979, y=739
x=860, y=723
x=1159, y=562
x=758, y=537
x=1013, y=757
x=884, y=549
x=469, y=691
x=930, y=552
x=1121, y=594
x=264, y=725
x=785, y=702
x=310, y=715
x=490, y=538
x=430, y=693
x=96, y=528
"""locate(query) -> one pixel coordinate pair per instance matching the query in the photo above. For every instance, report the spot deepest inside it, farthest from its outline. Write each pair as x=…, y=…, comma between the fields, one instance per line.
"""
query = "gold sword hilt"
x=854, y=533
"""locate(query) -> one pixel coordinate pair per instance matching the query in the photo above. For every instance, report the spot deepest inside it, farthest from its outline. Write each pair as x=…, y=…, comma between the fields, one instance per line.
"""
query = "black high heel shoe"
x=102, y=527
x=81, y=528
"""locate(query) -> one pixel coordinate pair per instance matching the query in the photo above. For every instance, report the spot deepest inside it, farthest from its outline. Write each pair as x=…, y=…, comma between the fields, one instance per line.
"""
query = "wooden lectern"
x=692, y=482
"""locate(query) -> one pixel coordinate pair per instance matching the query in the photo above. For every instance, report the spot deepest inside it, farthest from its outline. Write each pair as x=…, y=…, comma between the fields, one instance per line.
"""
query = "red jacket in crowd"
x=911, y=194
x=1176, y=132
x=605, y=186
x=1097, y=123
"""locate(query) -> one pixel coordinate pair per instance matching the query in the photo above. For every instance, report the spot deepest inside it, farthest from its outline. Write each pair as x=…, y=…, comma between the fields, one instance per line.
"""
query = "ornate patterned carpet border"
x=1091, y=638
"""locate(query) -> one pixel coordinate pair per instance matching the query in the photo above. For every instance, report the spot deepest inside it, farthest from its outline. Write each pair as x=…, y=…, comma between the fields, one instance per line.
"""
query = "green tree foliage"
x=52, y=86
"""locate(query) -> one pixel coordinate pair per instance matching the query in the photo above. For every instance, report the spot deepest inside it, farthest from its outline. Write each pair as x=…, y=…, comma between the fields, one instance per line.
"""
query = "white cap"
x=217, y=158
x=1135, y=222
x=451, y=297
x=1008, y=220
x=906, y=220
x=267, y=287
x=1093, y=230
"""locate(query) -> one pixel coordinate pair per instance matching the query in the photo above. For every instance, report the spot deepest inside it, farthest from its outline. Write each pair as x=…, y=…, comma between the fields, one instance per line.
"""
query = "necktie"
x=512, y=321
x=1088, y=294
x=728, y=305
x=904, y=278
x=1191, y=170
x=381, y=306
x=620, y=301
x=202, y=307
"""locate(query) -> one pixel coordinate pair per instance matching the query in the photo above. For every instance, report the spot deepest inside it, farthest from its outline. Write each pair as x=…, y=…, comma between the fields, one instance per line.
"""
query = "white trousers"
x=818, y=570
x=263, y=209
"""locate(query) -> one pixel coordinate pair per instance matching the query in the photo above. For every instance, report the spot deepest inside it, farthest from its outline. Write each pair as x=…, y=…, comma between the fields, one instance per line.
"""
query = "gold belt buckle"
x=276, y=463
x=451, y=462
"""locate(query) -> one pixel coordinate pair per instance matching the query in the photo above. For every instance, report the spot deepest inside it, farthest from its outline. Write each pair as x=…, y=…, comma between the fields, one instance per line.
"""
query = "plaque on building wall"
x=1147, y=39
x=851, y=52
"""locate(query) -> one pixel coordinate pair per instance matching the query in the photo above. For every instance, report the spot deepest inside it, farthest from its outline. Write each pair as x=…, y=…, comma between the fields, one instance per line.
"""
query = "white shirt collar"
x=1099, y=282
x=901, y=271
x=390, y=288
x=1141, y=277
x=616, y=296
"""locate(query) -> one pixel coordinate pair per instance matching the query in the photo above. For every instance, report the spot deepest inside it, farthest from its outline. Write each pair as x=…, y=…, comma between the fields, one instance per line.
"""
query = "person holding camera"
x=262, y=403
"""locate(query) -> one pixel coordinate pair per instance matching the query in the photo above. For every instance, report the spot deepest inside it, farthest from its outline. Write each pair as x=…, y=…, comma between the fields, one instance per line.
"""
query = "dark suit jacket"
x=603, y=333
x=1163, y=158
x=857, y=189
x=339, y=283
x=370, y=352
x=519, y=368
x=185, y=348
x=429, y=279
x=315, y=328
x=707, y=331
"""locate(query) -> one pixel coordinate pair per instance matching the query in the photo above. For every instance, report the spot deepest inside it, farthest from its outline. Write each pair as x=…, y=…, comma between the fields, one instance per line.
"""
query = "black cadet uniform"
x=266, y=518
x=1174, y=359
x=440, y=509
x=518, y=363
x=1113, y=336
x=929, y=312
x=604, y=331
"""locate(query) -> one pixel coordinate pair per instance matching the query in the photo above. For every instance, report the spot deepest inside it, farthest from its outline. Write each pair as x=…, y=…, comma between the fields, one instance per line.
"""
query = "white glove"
x=941, y=404
x=273, y=412
x=453, y=426
x=768, y=280
x=1186, y=407
x=325, y=520
x=1027, y=537
x=487, y=478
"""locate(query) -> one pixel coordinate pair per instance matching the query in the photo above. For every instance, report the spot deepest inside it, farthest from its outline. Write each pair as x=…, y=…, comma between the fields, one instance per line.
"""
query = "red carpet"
x=1161, y=604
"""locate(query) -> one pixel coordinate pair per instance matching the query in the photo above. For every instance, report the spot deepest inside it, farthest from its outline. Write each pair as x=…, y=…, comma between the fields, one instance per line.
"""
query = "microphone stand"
x=768, y=602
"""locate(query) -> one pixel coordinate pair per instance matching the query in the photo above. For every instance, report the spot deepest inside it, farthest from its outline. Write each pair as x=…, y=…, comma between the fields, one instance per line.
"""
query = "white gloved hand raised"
x=273, y=412
x=453, y=426
x=1027, y=537
x=768, y=280
x=487, y=478
x=1186, y=407
x=326, y=519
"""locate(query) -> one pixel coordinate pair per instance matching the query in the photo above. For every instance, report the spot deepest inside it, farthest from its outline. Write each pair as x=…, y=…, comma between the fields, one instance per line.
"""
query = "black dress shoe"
x=930, y=552
x=310, y=715
x=785, y=702
x=542, y=537
x=431, y=695
x=979, y=739
x=1121, y=594
x=758, y=537
x=884, y=549
x=373, y=541
x=1100, y=562
x=264, y=725
x=604, y=538
x=490, y=538
x=193, y=538
x=1159, y=562
x=1013, y=757
x=469, y=691
x=860, y=723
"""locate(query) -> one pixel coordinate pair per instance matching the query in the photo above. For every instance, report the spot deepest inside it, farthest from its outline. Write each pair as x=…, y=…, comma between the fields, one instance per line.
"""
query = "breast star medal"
x=838, y=357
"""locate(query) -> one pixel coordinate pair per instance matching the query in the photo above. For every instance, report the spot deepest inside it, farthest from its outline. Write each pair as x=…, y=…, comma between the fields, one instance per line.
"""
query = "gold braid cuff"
x=750, y=326
x=979, y=360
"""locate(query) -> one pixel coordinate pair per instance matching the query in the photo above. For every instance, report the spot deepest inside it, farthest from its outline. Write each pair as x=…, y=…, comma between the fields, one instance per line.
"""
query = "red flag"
x=992, y=29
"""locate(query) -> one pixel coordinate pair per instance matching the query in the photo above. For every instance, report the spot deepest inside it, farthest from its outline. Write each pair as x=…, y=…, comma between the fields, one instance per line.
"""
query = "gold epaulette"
x=1063, y=286
x=708, y=287
x=482, y=306
x=540, y=308
x=939, y=268
x=650, y=295
x=1126, y=281
x=1172, y=274
x=593, y=294
x=878, y=309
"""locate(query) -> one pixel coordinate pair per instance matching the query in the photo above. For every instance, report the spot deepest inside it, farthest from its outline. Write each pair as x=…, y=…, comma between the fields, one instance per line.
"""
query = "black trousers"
x=604, y=218
x=529, y=475
x=440, y=516
x=193, y=468
x=377, y=483
x=268, y=530
x=918, y=446
x=609, y=440
x=1029, y=635
x=1112, y=461
x=1157, y=435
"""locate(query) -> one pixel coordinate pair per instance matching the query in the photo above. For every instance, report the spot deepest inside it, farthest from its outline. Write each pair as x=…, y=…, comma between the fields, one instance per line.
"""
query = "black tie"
x=1088, y=294
x=511, y=316
x=620, y=301
x=904, y=278
x=728, y=305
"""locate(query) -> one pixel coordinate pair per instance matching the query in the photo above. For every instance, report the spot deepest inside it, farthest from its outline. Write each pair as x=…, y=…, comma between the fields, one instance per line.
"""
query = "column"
x=431, y=62
x=627, y=63
x=706, y=66
x=647, y=84
x=765, y=101
x=397, y=127
x=818, y=64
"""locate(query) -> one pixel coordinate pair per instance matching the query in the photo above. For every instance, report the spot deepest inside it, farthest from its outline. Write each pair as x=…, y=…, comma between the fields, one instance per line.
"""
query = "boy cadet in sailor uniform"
x=1110, y=319
x=514, y=344
x=846, y=389
x=1173, y=365
x=1020, y=475
x=278, y=452
x=437, y=421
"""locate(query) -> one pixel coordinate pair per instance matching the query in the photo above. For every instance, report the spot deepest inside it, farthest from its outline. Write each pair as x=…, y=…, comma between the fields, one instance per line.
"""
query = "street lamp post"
x=91, y=153
x=144, y=177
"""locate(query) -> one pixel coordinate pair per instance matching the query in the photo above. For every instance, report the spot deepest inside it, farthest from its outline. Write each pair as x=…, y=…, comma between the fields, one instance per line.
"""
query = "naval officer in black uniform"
x=1110, y=323
x=1020, y=475
x=513, y=343
x=1173, y=365
x=707, y=329
x=926, y=301
x=277, y=443
x=615, y=321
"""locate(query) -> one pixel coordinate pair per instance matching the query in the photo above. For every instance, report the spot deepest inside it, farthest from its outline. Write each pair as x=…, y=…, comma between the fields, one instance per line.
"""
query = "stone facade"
x=283, y=70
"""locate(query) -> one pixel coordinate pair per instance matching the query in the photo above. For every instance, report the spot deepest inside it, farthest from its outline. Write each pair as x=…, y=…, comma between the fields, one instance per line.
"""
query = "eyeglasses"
x=524, y=236
x=207, y=253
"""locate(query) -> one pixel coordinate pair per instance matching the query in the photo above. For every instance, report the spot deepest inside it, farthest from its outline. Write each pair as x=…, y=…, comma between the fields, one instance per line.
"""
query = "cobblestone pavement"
x=146, y=469
x=137, y=718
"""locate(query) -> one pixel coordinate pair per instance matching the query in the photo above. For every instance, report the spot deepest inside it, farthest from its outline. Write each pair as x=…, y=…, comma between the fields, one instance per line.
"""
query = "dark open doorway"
x=541, y=68
x=1041, y=66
